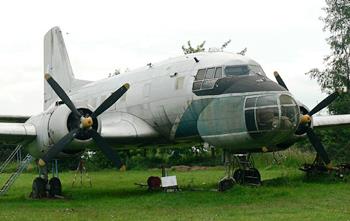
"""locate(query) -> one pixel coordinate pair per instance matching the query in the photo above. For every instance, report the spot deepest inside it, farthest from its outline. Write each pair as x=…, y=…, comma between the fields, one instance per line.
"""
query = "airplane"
x=221, y=98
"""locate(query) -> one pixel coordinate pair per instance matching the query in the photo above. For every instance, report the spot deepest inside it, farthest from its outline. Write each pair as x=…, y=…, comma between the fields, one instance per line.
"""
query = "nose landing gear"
x=245, y=174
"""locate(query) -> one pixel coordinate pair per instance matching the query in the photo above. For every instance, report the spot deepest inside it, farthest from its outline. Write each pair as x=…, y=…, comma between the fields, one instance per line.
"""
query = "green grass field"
x=284, y=195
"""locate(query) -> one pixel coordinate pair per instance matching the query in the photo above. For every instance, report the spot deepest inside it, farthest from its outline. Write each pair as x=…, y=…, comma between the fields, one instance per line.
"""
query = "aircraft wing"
x=13, y=119
x=16, y=133
x=331, y=121
x=122, y=128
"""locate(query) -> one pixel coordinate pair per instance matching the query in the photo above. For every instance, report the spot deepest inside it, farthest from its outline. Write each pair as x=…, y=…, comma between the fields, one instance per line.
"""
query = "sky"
x=101, y=36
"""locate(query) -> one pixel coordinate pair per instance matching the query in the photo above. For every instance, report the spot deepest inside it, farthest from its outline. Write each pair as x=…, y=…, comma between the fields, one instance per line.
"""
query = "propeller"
x=86, y=124
x=305, y=122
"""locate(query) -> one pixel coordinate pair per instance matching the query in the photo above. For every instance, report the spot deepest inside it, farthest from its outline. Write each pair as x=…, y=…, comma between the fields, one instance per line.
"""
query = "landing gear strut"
x=245, y=174
x=43, y=187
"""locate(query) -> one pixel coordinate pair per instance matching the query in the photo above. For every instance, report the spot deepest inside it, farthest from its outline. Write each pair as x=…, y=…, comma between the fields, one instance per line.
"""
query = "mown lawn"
x=284, y=195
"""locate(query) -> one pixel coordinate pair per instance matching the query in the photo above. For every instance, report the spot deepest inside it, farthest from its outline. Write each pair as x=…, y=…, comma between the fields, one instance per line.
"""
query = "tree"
x=190, y=49
x=336, y=73
x=337, y=70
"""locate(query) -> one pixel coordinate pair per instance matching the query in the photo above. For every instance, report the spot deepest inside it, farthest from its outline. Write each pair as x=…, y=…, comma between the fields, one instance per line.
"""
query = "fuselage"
x=220, y=98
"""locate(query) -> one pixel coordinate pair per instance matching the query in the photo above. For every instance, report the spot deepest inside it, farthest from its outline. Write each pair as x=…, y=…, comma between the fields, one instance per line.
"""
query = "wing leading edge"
x=331, y=121
x=16, y=133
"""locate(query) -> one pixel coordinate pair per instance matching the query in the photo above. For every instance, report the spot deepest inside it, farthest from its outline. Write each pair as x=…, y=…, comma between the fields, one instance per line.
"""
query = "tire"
x=38, y=188
x=225, y=184
x=255, y=172
x=238, y=176
x=55, y=187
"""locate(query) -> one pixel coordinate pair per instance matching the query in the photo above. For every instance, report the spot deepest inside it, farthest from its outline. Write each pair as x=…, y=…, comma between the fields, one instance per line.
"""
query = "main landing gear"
x=43, y=187
x=245, y=174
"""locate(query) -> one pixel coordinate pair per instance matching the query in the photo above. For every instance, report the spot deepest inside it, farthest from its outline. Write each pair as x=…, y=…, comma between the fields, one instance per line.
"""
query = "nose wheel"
x=244, y=174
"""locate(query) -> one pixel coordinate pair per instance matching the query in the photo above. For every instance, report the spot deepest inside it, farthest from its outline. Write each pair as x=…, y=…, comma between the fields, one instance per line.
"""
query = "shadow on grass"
x=297, y=180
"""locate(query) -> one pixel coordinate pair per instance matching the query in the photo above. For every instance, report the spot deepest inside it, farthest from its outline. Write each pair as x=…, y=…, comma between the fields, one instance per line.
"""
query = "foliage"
x=190, y=49
x=337, y=22
x=243, y=52
x=335, y=75
x=225, y=44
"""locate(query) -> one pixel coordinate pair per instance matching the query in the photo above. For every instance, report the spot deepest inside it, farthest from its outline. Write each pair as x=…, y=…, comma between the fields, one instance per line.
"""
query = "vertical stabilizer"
x=57, y=64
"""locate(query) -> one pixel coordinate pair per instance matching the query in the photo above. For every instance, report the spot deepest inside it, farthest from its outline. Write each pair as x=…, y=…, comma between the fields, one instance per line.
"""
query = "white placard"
x=169, y=181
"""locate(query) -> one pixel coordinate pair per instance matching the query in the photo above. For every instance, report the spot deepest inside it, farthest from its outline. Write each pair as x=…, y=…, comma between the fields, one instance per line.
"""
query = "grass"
x=284, y=195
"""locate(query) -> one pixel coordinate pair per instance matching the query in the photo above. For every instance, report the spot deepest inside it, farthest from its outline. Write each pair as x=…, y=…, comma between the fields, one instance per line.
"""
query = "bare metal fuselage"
x=162, y=107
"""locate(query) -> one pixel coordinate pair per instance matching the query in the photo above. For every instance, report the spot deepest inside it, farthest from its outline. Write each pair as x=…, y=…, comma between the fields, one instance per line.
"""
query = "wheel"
x=250, y=176
x=238, y=176
x=38, y=188
x=257, y=177
x=55, y=187
x=225, y=184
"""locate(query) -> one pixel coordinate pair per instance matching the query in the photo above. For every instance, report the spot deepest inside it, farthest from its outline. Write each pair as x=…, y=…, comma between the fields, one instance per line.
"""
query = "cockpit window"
x=218, y=72
x=236, y=70
x=210, y=73
x=206, y=78
x=200, y=74
x=256, y=69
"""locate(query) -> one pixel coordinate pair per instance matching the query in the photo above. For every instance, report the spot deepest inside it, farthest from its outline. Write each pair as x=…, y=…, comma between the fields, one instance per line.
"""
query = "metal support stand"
x=81, y=169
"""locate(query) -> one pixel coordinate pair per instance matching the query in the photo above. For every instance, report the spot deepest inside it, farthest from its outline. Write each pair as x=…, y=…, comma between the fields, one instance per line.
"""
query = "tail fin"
x=57, y=64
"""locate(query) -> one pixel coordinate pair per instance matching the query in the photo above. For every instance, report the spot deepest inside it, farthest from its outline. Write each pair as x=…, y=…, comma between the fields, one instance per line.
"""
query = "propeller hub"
x=86, y=122
x=304, y=119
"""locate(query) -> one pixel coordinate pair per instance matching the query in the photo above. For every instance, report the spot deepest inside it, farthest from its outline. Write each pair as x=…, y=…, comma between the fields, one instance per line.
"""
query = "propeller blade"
x=59, y=146
x=62, y=94
x=106, y=149
x=279, y=80
x=110, y=100
x=316, y=143
x=324, y=103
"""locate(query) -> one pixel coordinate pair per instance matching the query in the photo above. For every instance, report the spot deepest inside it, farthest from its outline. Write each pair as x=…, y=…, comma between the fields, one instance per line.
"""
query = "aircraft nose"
x=271, y=117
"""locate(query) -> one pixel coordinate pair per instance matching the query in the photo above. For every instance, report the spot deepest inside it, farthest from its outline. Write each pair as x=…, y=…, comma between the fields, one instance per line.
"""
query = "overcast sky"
x=102, y=35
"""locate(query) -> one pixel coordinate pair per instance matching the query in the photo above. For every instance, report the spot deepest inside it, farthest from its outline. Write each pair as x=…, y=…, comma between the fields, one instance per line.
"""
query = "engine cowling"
x=56, y=123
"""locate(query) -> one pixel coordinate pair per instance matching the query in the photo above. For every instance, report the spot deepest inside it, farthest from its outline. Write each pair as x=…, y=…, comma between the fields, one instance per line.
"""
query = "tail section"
x=57, y=64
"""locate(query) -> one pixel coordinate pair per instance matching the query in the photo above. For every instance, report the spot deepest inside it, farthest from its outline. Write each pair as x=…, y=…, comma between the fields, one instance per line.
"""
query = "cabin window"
x=236, y=70
x=179, y=83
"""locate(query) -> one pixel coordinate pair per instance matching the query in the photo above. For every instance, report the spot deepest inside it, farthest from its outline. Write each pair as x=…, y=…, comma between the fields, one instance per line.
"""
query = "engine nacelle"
x=56, y=123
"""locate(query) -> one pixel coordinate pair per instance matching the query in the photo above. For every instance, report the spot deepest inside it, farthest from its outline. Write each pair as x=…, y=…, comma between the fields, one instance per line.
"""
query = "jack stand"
x=317, y=167
x=81, y=169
